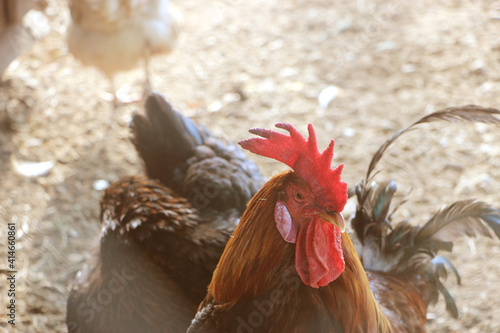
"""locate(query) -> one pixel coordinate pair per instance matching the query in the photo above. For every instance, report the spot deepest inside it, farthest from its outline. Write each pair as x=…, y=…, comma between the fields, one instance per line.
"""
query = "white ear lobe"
x=286, y=227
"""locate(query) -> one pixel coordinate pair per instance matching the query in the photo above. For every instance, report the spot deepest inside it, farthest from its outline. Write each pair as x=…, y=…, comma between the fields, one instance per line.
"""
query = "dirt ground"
x=242, y=64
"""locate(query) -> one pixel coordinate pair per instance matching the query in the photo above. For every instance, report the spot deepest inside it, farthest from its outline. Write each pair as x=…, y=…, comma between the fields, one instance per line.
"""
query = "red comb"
x=305, y=159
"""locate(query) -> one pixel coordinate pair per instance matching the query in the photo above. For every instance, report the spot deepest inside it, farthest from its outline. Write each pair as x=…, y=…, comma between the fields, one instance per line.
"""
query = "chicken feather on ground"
x=290, y=268
x=115, y=35
x=162, y=235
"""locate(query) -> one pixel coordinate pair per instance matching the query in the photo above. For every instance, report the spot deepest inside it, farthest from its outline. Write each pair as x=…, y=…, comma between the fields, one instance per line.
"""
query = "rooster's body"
x=162, y=235
x=256, y=286
x=304, y=275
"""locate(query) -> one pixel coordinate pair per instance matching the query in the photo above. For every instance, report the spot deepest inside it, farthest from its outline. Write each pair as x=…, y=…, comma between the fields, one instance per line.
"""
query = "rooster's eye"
x=299, y=196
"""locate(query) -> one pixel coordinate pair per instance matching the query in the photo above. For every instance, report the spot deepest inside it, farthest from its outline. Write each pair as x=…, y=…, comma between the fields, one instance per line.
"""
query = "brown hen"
x=162, y=235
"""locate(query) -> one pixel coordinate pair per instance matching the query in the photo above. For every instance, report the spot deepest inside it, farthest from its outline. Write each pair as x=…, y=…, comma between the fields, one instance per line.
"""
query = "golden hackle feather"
x=258, y=221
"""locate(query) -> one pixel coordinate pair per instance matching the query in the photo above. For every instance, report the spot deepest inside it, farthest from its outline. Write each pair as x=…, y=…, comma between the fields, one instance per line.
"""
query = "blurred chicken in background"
x=115, y=35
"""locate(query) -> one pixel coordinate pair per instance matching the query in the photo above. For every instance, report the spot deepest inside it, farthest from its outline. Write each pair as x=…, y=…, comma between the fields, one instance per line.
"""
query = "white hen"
x=114, y=35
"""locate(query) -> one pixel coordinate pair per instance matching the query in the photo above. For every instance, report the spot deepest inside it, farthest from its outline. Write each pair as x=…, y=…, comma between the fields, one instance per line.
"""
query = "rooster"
x=115, y=35
x=162, y=235
x=290, y=267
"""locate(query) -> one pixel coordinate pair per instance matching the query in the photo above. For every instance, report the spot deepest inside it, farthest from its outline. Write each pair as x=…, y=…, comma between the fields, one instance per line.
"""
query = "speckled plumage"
x=164, y=232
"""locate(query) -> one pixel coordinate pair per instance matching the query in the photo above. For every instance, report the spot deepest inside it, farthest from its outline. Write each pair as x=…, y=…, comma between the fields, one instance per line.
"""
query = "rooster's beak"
x=334, y=218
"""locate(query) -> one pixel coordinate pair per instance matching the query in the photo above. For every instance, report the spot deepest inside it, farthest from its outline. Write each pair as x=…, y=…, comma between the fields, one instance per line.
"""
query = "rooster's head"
x=308, y=210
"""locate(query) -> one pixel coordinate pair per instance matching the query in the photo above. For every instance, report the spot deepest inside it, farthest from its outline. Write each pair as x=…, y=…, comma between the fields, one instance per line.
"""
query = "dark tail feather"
x=373, y=215
x=412, y=250
x=451, y=307
x=467, y=113
x=462, y=218
x=164, y=139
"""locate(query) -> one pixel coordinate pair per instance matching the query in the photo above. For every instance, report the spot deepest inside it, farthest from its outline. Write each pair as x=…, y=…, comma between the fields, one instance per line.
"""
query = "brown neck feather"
x=351, y=299
x=255, y=250
x=256, y=257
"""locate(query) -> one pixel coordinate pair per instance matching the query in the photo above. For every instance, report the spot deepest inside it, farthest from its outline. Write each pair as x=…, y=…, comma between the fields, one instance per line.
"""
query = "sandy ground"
x=392, y=62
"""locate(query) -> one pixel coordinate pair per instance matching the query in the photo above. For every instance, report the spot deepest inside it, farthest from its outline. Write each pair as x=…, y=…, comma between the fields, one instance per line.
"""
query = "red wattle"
x=318, y=254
